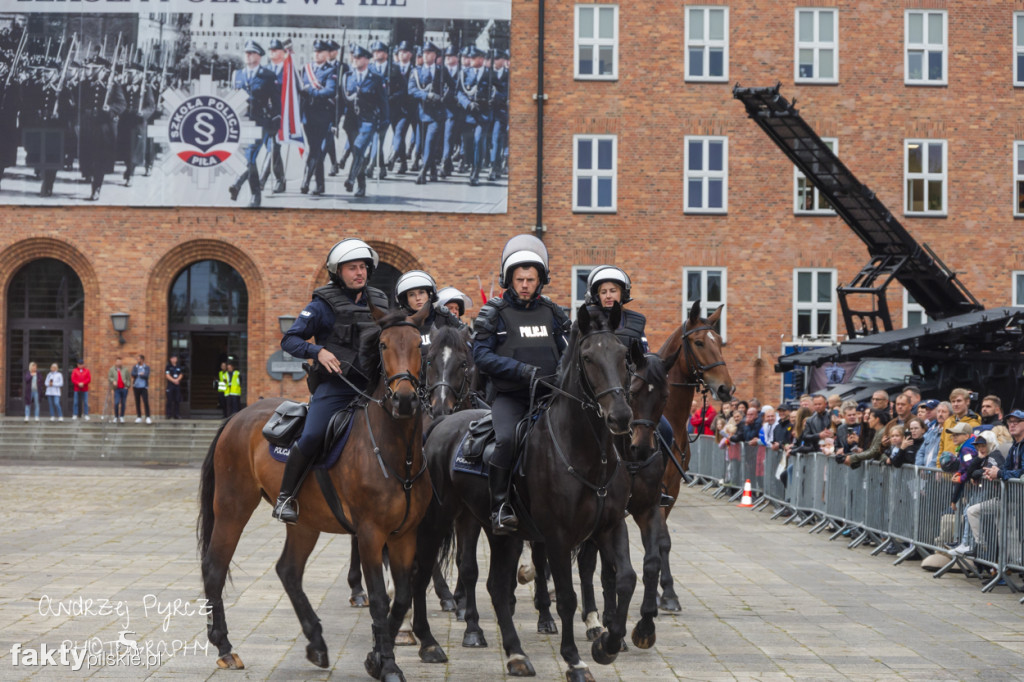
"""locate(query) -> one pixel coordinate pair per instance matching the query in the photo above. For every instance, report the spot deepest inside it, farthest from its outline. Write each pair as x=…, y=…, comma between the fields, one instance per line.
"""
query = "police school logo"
x=204, y=131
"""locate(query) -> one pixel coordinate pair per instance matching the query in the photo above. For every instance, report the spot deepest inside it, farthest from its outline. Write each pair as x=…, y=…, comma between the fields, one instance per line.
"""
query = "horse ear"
x=421, y=315
x=637, y=356
x=583, y=319
x=715, y=316
x=695, y=312
x=615, y=316
x=375, y=312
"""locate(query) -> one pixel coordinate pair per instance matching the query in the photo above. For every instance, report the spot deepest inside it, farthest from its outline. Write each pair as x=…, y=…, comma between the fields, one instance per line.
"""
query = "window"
x=1018, y=179
x=707, y=44
x=817, y=49
x=807, y=198
x=580, y=273
x=814, y=298
x=1018, y=48
x=705, y=186
x=1018, y=287
x=925, y=173
x=925, y=57
x=913, y=313
x=594, y=183
x=597, y=41
x=707, y=285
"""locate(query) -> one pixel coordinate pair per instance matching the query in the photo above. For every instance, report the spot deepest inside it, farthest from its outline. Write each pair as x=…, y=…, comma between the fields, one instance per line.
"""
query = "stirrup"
x=286, y=509
x=509, y=525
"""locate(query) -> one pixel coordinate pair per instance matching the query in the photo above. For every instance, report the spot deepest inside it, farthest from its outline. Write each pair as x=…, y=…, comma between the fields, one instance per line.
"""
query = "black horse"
x=571, y=486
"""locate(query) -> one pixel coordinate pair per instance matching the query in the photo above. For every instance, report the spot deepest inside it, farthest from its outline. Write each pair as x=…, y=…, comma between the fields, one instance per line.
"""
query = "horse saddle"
x=285, y=425
x=479, y=440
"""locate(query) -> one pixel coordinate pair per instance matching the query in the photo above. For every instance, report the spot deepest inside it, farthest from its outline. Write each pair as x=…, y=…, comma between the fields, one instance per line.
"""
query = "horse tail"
x=207, y=486
x=446, y=555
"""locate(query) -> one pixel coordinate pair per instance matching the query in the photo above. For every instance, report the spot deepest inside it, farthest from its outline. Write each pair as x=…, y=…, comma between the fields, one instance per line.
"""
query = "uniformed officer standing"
x=499, y=114
x=275, y=51
x=44, y=113
x=474, y=97
x=234, y=392
x=173, y=372
x=98, y=112
x=222, y=389
x=426, y=86
x=264, y=108
x=335, y=319
x=516, y=339
x=339, y=70
x=381, y=65
x=319, y=93
x=453, y=123
x=401, y=107
x=140, y=103
x=365, y=104
x=415, y=289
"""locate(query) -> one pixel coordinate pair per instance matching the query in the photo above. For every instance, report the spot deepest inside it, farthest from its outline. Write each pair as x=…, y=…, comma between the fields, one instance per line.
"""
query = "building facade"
x=647, y=162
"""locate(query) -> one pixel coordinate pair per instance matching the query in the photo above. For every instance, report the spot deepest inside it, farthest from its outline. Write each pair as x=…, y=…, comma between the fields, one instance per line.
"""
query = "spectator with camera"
x=782, y=433
x=848, y=432
x=911, y=436
x=876, y=451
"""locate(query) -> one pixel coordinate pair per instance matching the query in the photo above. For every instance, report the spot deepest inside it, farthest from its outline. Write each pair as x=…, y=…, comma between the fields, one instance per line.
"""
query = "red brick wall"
x=128, y=257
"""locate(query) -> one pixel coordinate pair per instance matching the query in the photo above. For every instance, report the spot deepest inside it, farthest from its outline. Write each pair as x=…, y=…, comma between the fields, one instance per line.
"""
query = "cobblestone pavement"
x=760, y=600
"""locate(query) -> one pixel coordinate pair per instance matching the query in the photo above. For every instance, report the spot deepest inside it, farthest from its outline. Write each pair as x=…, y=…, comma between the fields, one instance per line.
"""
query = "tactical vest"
x=350, y=321
x=631, y=329
x=438, y=319
x=530, y=337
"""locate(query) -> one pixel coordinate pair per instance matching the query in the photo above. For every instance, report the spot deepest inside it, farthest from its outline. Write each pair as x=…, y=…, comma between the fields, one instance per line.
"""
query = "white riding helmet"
x=415, y=279
x=609, y=273
x=349, y=250
x=450, y=295
x=523, y=249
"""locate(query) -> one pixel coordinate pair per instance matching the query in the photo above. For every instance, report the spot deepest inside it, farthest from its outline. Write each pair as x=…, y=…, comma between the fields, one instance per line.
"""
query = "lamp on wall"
x=120, y=322
x=285, y=322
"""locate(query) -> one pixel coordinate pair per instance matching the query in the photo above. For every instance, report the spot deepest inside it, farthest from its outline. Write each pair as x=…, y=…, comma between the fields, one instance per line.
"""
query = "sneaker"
x=60, y=419
x=120, y=419
x=962, y=548
x=74, y=417
x=26, y=418
x=86, y=417
x=138, y=420
x=37, y=418
x=53, y=419
x=148, y=420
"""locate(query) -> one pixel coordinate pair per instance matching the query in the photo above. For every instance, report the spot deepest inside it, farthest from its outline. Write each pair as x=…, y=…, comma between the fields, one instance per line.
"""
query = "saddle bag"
x=285, y=425
x=479, y=439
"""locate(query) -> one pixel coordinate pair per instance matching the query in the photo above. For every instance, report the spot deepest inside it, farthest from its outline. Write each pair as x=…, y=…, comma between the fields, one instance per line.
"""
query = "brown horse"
x=700, y=365
x=380, y=480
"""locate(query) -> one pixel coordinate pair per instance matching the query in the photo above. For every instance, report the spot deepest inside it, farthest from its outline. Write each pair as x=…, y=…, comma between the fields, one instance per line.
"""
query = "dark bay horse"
x=571, y=486
x=380, y=480
x=646, y=458
x=700, y=365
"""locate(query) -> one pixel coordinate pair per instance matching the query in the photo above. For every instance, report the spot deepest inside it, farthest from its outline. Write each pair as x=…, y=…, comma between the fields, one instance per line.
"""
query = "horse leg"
x=561, y=573
x=299, y=544
x=541, y=595
x=614, y=547
x=469, y=573
x=465, y=525
x=227, y=529
x=380, y=662
x=525, y=574
x=651, y=524
x=355, y=579
x=401, y=556
x=500, y=585
x=429, y=539
x=586, y=563
x=441, y=589
x=668, y=602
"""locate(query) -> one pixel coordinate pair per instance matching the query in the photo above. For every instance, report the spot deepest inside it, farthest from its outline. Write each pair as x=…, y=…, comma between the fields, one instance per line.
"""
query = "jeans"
x=120, y=401
x=141, y=394
x=33, y=400
x=53, y=402
x=85, y=403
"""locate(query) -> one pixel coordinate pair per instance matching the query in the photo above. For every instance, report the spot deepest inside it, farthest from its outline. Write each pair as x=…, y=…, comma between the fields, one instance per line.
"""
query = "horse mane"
x=657, y=370
x=447, y=337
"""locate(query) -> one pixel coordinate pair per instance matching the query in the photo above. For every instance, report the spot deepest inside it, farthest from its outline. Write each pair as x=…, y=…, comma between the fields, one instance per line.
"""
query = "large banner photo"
x=395, y=105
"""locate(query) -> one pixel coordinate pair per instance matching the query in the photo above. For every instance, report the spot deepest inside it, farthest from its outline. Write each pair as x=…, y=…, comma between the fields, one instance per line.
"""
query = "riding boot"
x=236, y=187
x=285, y=509
x=360, y=186
x=306, y=177
x=254, y=188
x=503, y=519
x=421, y=179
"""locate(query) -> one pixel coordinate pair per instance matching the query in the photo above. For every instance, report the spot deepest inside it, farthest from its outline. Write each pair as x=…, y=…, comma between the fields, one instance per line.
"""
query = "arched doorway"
x=45, y=305
x=207, y=318
x=385, y=276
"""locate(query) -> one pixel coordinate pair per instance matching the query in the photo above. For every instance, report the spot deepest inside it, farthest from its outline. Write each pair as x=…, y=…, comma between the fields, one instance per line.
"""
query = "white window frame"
x=833, y=143
x=1018, y=50
x=595, y=173
x=814, y=306
x=1017, y=274
x=912, y=307
x=926, y=176
x=816, y=45
x=707, y=43
x=925, y=46
x=708, y=307
x=1018, y=178
x=705, y=175
x=596, y=42
x=577, y=302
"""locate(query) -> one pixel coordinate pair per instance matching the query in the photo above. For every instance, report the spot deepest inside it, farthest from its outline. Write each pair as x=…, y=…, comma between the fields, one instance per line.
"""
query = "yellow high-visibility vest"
x=222, y=383
x=235, y=385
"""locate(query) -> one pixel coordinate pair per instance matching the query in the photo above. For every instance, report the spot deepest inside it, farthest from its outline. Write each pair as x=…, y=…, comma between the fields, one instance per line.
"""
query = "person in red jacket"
x=81, y=377
x=702, y=425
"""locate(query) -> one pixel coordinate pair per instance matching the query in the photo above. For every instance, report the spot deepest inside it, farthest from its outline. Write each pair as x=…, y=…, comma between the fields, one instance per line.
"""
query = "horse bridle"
x=697, y=369
x=585, y=380
x=460, y=395
x=389, y=393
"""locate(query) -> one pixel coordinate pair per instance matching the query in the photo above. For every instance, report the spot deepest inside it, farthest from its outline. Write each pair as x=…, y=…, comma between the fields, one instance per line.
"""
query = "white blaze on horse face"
x=714, y=337
x=446, y=356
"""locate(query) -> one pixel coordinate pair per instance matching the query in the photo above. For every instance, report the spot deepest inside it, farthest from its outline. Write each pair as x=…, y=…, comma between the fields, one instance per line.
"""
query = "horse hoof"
x=460, y=615
x=520, y=666
x=317, y=657
x=230, y=662
x=448, y=605
x=433, y=654
x=547, y=627
x=373, y=665
x=644, y=638
x=394, y=677
x=594, y=633
x=405, y=638
x=579, y=675
x=600, y=654
x=358, y=600
x=474, y=640
x=669, y=605
x=526, y=575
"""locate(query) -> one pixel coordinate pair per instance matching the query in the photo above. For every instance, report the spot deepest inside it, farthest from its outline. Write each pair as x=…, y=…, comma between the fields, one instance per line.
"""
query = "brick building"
x=648, y=163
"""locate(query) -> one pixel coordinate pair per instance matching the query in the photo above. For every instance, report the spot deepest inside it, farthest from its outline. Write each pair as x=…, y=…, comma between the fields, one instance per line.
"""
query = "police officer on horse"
x=335, y=319
x=517, y=339
x=415, y=289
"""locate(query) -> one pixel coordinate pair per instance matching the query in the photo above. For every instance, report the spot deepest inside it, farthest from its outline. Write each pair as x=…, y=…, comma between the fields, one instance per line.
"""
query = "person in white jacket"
x=54, y=384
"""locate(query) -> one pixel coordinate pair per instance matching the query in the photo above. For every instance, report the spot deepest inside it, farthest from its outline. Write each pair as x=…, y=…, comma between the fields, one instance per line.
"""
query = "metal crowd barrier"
x=908, y=506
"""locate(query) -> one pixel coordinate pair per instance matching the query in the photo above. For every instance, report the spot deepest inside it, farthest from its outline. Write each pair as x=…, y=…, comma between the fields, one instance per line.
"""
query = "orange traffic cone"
x=747, y=500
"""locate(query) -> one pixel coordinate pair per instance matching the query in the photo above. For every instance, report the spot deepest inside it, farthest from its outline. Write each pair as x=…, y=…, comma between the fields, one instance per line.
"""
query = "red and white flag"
x=290, y=131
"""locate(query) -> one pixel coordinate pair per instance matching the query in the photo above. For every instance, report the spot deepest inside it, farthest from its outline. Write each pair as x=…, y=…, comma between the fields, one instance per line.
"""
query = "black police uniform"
x=438, y=319
x=173, y=392
x=513, y=339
